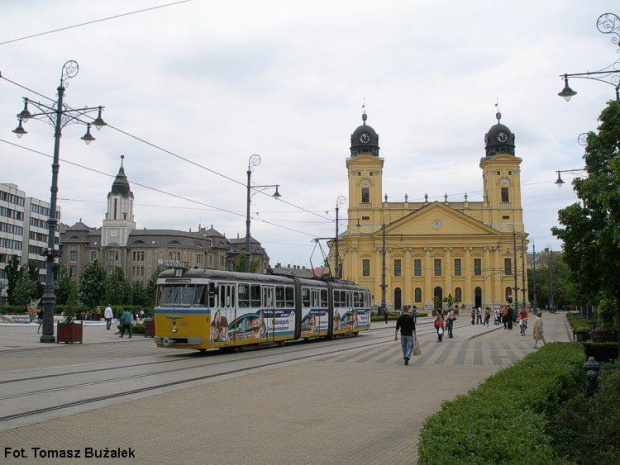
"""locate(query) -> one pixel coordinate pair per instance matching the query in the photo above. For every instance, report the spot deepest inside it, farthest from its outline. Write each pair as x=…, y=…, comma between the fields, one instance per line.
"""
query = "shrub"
x=601, y=351
x=504, y=419
x=577, y=322
x=586, y=429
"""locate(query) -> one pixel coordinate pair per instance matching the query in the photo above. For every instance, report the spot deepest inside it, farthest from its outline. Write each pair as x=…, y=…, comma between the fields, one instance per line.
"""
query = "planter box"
x=149, y=328
x=69, y=332
x=599, y=335
x=581, y=336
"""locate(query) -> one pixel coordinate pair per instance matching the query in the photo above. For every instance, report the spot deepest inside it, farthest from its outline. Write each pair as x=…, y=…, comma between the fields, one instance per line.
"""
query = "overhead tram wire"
x=180, y=157
x=135, y=12
x=187, y=199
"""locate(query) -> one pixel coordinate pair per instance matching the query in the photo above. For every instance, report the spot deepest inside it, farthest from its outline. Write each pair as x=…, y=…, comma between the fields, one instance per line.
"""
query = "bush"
x=504, y=419
x=601, y=351
x=586, y=429
x=577, y=322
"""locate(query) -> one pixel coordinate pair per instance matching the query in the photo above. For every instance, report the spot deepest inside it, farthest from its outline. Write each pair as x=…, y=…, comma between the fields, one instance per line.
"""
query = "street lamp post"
x=339, y=201
x=58, y=116
x=607, y=23
x=559, y=182
x=253, y=161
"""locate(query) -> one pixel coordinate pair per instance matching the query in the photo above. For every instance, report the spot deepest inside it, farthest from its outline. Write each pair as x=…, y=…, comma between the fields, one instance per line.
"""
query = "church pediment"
x=437, y=219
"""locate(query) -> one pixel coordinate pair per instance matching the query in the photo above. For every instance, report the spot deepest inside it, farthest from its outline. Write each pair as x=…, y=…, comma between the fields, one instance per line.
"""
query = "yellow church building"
x=430, y=253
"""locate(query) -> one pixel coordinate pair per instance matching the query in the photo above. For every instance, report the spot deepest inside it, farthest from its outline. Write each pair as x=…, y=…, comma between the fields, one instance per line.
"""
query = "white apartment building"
x=23, y=230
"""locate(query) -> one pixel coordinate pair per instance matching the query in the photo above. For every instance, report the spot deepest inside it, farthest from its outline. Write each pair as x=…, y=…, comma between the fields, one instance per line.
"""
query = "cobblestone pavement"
x=361, y=407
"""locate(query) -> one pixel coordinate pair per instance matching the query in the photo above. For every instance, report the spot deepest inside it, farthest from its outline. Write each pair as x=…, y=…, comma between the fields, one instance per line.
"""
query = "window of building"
x=111, y=255
x=418, y=295
x=437, y=266
x=210, y=260
x=507, y=266
x=72, y=271
x=73, y=255
x=365, y=194
x=199, y=258
x=457, y=267
x=505, y=217
x=366, y=267
x=498, y=172
x=505, y=196
x=365, y=218
x=397, y=267
x=508, y=295
x=458, y=295
x=509, y=172
x=477, y=266
x=93, y=256
x=417, y=267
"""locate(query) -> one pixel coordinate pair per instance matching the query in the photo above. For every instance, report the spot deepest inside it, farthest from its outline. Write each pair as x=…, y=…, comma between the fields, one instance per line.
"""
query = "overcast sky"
x=215, y=82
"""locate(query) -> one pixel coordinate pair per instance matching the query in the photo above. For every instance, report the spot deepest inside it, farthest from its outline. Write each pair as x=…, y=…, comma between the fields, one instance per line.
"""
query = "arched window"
x=397, y=298
x=458, y=297
x=438, y=297
x=418, y=294
x=478, y=297
x=509, y=295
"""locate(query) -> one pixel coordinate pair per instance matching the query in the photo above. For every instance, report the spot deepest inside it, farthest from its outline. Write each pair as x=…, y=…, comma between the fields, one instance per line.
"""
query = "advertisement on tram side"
x=315, y=322
x=258, y=326
x=353, y=319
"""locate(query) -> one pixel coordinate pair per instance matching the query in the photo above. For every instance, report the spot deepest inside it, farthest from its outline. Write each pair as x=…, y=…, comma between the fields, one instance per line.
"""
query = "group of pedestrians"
x=125, y=320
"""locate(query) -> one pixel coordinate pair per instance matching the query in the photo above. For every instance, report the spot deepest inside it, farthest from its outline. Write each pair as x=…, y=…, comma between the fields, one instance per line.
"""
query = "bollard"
x=592, y=367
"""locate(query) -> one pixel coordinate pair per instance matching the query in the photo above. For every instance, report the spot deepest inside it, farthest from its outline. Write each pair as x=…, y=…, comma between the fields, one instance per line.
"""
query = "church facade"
x=429, y=254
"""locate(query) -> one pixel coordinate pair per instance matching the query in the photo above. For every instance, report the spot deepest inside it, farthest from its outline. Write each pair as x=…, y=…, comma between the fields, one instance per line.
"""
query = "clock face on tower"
x=502, y=137
x=365, y=138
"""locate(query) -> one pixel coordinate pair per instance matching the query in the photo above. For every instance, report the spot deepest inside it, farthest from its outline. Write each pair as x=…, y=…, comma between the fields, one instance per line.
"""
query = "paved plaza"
x=361, y=406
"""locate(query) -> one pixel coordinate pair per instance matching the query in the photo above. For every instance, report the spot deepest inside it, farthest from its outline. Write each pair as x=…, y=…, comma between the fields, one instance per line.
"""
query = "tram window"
x=366, y=299
x=268, y=297
x=199, y=296
x=255, y=295
x=212, y=295
x=290, y=296
x=336, y=298
x=181, y=295
x=280, y=297
x=244, y=295
x=349, y=299
x=356, y=299
x=305, y=297
x=324, y=300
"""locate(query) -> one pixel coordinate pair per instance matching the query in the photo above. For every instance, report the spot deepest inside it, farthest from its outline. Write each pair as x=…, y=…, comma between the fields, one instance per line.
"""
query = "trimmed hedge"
x=505, y=418
x=577, y=322
x=393, y=316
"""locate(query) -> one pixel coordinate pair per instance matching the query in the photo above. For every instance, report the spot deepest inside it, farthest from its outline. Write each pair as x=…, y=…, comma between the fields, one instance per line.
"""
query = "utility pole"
x=523, y=262
x=551, y=306
x=535, y=303
x=383, y=285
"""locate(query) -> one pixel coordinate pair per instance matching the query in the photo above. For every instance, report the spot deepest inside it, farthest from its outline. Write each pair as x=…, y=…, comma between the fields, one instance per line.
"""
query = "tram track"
x=180, y=382
x=293, y=345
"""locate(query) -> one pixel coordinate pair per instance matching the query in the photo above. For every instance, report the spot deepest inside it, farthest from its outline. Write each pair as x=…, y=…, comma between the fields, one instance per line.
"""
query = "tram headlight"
x=174, y=327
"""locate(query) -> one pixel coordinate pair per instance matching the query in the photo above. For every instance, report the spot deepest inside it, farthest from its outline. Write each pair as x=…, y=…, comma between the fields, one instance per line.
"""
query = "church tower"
x=365, y=171
x=119, y=221
x=502, y=180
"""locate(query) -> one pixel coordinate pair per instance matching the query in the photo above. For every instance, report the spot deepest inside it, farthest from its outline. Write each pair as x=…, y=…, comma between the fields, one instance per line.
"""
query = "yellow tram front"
x=182, y=315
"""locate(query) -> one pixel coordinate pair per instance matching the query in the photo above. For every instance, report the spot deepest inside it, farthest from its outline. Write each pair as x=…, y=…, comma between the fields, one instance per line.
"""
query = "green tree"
x=93, y=285
x=25, y=290
x=239, y=264
x=65, y=286
x=591, y=231
x=119, y=290
x=564, y=293
x=11, y=270
x=151, y=286
x=35, y=276
x=139, y=294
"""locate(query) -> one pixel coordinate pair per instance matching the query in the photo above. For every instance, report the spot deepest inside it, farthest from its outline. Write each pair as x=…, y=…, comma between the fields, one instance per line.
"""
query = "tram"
x=209, y=309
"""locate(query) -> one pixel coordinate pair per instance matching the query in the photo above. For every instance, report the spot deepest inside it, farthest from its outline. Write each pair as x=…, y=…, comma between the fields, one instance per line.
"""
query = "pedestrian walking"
x=505, y=317
x=126, y=319
x=40, y=320
x=523, y=316
x=478, y=316
x=414, y=314
x=487, y=315
x=450, y=323
x=439, y=325
x=539, y=333
x=385, y=315
x=108, y=314
x=473, y=315
x=406, y=325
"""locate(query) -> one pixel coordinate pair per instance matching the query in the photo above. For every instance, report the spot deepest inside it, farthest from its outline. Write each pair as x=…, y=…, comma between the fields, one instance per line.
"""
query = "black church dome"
x=364, y=140
x=499, y=139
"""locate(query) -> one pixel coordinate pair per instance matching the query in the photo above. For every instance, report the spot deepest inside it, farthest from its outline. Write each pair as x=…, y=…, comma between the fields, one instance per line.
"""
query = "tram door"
x=315, y=305
x=268, y=306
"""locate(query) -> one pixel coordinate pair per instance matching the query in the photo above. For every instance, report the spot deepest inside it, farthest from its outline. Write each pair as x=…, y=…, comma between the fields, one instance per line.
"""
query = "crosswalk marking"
x=465, y=353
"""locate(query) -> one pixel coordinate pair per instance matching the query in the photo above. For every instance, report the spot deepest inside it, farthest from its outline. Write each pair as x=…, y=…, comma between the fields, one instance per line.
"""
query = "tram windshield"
x=182, y=295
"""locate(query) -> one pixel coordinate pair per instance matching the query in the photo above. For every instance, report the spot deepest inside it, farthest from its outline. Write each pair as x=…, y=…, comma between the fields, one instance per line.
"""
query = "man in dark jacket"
x=406, y=325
